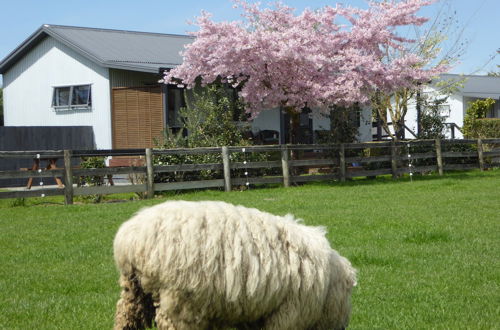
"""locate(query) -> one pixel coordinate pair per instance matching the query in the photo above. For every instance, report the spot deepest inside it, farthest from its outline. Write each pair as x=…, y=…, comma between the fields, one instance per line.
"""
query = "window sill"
x=72, y=108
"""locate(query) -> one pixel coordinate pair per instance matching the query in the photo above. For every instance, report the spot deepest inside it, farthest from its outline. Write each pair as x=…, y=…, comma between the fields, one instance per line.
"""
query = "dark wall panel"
x=23, y=138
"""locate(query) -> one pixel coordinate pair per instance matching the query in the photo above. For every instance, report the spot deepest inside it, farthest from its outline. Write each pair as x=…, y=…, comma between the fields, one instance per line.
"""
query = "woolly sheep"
x=213, y=265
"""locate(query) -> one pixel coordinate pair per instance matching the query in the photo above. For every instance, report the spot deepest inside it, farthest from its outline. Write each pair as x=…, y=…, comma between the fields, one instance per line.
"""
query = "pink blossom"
x=278, y=58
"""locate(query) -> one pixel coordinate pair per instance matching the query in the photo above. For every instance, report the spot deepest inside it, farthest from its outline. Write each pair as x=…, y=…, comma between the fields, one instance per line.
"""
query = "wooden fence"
x=253, y=165
x=38, y=138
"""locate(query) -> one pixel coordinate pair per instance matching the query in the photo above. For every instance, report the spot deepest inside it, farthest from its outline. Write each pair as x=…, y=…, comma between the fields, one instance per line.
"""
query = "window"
x=444, y=110
x=355, y=116
x=72, y=97
x=494, y=111
x=175, y=102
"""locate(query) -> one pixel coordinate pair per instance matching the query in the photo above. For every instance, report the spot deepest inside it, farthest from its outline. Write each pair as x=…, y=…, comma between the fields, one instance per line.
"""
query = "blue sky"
x=18, y=19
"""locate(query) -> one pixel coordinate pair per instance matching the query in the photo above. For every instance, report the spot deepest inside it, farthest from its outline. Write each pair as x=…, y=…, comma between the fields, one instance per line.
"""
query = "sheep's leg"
x=176, y=312
x=285, y=317
x=135, y=308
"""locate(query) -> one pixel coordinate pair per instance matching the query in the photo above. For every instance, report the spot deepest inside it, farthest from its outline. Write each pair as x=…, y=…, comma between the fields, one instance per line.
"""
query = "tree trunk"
x=293, y=131
x=399, y=133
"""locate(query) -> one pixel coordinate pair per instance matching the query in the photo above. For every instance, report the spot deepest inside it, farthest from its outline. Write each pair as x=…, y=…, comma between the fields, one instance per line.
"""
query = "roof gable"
x=136, y=51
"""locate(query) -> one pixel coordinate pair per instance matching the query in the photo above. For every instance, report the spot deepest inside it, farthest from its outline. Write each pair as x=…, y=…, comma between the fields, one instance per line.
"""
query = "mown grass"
x=427, y=251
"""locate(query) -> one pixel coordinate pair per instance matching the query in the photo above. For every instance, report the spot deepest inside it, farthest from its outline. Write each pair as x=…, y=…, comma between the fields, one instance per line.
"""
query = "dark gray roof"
x=129, y=50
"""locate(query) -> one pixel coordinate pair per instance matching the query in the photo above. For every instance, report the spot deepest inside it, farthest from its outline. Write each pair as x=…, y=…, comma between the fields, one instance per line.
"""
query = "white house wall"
x=475, y=87
x=28, y=89
x=410, y=120
x=365, y=129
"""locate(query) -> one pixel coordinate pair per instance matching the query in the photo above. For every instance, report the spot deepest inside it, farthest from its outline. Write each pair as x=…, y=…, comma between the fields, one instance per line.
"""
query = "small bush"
x=92, y=162
x=485, y=128
x=343, y=125
x=477, y=110
x=207, y=121
x=431, y=121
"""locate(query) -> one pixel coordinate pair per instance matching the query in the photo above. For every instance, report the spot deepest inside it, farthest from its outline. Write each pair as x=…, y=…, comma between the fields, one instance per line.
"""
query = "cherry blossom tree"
x=333, y=55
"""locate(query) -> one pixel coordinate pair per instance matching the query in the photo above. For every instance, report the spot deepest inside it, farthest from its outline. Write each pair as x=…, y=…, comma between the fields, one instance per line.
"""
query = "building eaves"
x=137, y=61
x=22, y=49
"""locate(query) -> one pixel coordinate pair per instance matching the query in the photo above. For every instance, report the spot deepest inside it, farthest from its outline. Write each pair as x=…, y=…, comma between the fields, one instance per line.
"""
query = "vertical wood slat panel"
x=143, y=118
x=119, y=110
x=137, y=117
x=157, y=120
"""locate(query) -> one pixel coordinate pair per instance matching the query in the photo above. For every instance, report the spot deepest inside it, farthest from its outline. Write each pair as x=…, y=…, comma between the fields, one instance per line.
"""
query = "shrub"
x=92, y=162
x=207, y=121
x=343, y=125
x=485, y=128
x=431, y=121
x=476, y=110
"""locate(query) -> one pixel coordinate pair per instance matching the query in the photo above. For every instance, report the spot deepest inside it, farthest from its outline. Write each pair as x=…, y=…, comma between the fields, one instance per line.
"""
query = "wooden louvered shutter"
x=137, y=117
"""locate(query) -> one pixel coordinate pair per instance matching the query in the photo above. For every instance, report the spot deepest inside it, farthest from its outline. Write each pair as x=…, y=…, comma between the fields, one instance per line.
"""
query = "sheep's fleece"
x=214, y=265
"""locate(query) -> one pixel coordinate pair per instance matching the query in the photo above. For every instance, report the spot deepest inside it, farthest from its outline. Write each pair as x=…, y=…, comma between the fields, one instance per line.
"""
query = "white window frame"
x=444, y=110
x=70, y=106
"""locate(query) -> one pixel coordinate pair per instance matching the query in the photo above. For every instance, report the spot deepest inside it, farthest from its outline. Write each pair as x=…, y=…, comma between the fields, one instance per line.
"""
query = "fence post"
x=394, y=160
x=342, y=168
x=227, y=168
x=480, y=154
x=68, y=178
x=150, y=175
x=439, y=157
x=285, y=165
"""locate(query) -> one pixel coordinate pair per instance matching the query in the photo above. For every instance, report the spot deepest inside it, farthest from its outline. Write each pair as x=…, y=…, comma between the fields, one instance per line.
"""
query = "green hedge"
x=485, y=128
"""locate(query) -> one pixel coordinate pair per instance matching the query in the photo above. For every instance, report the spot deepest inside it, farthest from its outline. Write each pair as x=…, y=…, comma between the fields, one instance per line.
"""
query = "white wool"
x=233, y=265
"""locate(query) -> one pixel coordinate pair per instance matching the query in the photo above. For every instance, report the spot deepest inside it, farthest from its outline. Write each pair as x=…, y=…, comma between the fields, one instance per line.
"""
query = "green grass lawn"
x=427, y=251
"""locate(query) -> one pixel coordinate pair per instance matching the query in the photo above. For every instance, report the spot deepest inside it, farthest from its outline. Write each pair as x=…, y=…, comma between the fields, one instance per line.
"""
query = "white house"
x=474, y=87
x=108, y=79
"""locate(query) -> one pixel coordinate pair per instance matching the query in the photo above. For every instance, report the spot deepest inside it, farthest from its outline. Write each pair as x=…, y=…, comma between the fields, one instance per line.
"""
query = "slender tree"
x=439, y=44
x=278, y=59
x=495, y=73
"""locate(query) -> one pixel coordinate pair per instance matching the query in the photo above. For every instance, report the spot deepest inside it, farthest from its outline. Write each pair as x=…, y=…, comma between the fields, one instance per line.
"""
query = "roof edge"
x=47, y=30
x=42, y=32
x=68, y=43
x=468, y=75
x=118, y=30
x=8, y=61
x=131, y=67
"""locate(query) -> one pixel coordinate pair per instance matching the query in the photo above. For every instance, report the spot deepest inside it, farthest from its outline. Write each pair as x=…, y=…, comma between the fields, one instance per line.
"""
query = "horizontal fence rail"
x=235, y=166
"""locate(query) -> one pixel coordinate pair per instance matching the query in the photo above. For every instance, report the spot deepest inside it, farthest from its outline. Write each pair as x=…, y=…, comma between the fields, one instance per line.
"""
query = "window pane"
x=81, y=95
x=444, y=110
x=355, y=116
x=61, y=96
x=175, y=102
